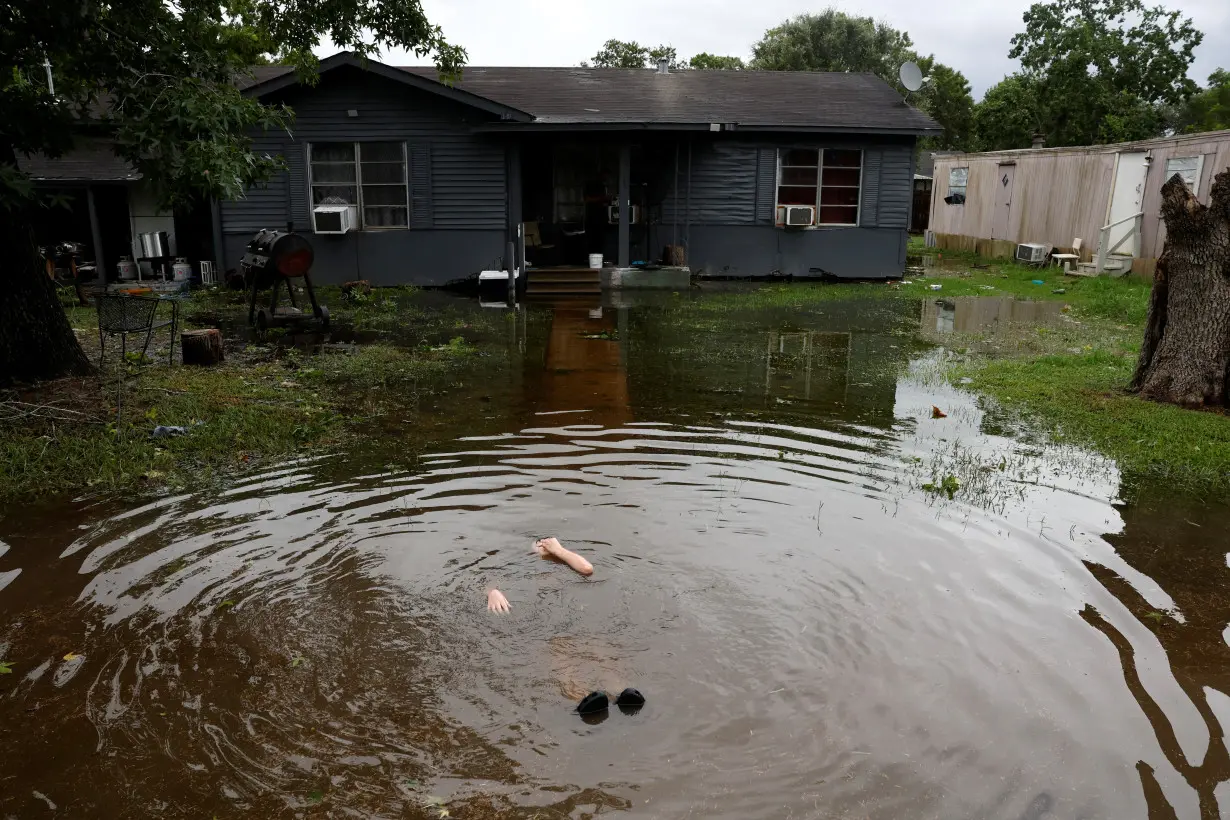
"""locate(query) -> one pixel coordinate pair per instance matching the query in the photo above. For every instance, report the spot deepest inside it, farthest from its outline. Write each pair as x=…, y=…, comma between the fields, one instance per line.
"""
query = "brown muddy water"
x=817, y=635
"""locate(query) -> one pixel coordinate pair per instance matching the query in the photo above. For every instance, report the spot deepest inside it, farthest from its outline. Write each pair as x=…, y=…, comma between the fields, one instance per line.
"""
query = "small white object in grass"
x=937, y=287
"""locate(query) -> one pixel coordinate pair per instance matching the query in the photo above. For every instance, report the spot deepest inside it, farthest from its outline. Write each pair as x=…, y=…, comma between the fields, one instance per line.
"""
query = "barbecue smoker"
x=271, y=257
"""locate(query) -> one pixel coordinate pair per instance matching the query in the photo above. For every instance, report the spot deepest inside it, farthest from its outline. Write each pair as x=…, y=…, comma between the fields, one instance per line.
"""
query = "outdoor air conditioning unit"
x=1032, y=253
x=331, y=219
x=800, y=216
x=612, y=214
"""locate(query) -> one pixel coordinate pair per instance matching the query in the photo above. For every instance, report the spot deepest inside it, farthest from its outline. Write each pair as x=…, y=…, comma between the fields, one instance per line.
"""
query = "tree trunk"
x=36, y=340
x=201, y=347
x=1186, y=350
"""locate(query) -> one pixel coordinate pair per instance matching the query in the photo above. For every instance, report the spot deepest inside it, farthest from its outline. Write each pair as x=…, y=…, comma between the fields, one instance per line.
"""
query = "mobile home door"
x=1126, y=199
x=1003, y=202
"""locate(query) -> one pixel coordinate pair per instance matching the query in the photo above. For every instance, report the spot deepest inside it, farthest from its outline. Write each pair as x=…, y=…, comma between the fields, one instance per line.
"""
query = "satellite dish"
x=911, y=76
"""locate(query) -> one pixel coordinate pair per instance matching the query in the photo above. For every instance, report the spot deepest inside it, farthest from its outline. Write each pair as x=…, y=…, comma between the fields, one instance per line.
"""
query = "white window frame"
x=360, y=216
x=858, y=209
x=961, y=189
x=1199, y=172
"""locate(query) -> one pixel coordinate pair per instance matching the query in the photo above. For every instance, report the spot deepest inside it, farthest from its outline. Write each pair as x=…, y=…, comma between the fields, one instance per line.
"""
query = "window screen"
x=958, y=180
x=1188, y=168
x=829, y=180
x=370, y=176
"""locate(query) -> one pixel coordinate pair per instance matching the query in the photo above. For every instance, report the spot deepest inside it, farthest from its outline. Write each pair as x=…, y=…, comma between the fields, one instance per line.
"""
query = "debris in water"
x=71, y=656
x=937, y=413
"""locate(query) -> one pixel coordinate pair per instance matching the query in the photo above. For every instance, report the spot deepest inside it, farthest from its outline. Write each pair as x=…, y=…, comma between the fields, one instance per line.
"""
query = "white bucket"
x=181, y=270
x=595, y=261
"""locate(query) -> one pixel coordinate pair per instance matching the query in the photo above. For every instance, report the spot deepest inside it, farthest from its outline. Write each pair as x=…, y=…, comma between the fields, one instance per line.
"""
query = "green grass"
x=264, y=402
x=1159, y=448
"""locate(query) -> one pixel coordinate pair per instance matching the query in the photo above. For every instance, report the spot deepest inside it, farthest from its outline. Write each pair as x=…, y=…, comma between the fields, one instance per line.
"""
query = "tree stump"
x=673, y=255
x=201, y=347
x=1186, y=350
x=360, y=287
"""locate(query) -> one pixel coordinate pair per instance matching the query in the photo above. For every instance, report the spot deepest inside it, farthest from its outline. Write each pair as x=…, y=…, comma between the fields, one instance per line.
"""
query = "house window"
x=368, y=176
x=1187, y=167
x=958, y=180
x=829, y=180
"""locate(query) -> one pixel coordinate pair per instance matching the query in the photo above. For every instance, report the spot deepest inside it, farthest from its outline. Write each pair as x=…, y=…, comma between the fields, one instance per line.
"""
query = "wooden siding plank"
x=264, y=205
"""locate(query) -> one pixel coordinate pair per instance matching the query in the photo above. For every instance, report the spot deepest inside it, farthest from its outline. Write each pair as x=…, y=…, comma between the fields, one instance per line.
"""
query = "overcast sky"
x=971, y=37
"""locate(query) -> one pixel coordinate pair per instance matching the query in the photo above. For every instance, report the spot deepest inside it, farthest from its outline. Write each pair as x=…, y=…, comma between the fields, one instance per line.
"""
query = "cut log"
x=1186, y=350
x=201, y=347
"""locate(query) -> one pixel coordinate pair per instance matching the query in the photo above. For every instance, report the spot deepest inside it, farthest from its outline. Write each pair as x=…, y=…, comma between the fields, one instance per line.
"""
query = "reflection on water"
x=972, y=314
x=816, y=635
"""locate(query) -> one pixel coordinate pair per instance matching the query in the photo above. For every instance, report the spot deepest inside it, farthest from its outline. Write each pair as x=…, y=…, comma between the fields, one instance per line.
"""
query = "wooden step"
x=557, y=288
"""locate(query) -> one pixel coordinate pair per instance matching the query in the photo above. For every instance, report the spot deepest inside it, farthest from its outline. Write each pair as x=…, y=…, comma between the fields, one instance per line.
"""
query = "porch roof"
x=90, y=160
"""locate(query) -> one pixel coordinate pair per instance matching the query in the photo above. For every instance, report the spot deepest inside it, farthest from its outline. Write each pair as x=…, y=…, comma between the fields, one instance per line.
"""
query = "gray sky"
x=971, y=37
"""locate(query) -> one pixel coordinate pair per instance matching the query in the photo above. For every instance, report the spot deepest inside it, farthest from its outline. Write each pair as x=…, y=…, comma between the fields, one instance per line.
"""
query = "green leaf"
x=6, y=667
x=227, y=604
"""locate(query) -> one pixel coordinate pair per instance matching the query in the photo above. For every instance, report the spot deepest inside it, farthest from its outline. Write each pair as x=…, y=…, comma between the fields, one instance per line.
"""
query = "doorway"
x=1003, y=201
x=1126, y=199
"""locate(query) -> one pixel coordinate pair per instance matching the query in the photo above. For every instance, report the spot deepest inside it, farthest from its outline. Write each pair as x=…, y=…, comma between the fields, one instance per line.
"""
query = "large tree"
x=631, y=54
x=705, y=60
x=1007, y=117
x=946, y=97
x=835, y=41
x=1105, y=70
x=1185, y=357
x=1208, y=110
x=159, y=79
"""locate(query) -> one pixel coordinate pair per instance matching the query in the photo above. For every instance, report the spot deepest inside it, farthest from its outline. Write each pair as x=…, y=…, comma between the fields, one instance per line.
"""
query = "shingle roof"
x=90, y=160
x=758, y=99
x=801, y=99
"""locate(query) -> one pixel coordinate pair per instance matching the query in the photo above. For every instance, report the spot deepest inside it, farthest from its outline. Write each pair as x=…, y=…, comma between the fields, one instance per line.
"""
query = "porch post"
x=100, y=263
x=625, y=205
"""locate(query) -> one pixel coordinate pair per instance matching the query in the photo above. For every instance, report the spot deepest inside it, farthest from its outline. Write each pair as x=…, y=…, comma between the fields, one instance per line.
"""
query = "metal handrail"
x=1125, y=219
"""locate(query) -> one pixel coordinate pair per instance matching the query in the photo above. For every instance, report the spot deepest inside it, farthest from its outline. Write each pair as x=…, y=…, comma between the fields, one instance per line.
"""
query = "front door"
x=1003, y=201
x=1126, y=199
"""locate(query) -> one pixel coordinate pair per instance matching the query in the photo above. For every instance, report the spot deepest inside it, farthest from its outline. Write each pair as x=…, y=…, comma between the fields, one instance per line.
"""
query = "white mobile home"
x=1108, y=196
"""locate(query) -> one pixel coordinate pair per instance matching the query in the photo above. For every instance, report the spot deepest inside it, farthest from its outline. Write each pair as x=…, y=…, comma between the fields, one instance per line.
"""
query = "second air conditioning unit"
x=1031, y=253
x=634, y=214
x=800, y=216
x=332, y=219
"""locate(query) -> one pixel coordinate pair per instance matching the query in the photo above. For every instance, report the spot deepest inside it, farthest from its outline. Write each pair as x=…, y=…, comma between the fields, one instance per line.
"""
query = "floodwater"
x=817, y=635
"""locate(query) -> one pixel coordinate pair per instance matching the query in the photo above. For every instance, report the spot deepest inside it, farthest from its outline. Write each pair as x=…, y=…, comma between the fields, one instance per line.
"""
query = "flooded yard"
x=819, y=629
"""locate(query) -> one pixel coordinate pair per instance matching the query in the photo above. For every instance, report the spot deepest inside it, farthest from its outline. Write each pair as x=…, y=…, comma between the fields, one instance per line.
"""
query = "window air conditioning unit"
x=331, y=219
x=800, y=216
x=612, y=215
x=1032, y=253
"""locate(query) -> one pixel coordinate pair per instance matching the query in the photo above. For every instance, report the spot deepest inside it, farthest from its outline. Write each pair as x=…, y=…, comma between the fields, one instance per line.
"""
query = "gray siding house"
x=438, y=179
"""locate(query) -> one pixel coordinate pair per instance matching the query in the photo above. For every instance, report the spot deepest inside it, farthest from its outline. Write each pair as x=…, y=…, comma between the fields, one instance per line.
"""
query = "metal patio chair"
x=121, y=314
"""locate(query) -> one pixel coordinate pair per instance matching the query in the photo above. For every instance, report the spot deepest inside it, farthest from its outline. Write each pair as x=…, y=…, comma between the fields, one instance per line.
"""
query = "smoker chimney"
x=1039, y=140
x=664, y=65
